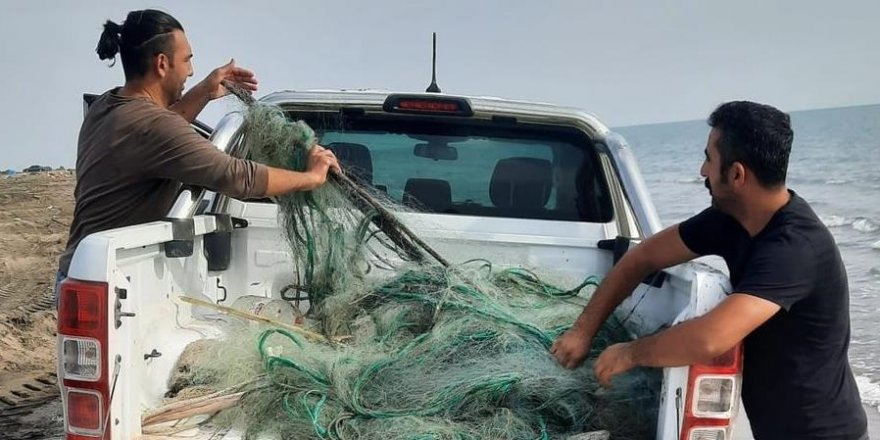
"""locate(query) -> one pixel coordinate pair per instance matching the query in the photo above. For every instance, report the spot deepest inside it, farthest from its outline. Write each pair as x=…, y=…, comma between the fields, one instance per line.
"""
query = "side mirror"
x=436, y=151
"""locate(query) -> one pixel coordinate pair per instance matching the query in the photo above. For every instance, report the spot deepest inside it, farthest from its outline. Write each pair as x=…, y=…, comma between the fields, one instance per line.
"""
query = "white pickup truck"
x=522, y=184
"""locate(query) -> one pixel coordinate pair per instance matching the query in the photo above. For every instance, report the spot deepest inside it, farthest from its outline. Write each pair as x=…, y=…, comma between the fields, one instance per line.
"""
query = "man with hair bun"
x=136, y=146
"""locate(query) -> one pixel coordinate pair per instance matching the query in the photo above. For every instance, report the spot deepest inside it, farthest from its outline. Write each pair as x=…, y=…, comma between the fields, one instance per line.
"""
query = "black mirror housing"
x=436, y=151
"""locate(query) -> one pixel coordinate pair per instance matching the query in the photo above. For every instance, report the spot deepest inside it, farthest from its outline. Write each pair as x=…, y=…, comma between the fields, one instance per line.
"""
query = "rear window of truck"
x=472, y=168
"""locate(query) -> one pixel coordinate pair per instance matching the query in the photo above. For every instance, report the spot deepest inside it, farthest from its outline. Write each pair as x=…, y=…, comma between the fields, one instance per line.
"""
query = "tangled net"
x=427, y=352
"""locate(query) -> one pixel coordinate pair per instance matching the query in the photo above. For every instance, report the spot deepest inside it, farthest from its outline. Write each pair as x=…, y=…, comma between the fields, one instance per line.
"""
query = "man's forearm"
x=620, y=282
x=281, y=181
x=191, y=103
x=709, y=336
x=684, y=344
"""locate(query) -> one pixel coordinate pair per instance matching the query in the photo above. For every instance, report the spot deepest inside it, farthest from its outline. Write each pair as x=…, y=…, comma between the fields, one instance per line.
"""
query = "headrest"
x=355, y=159
x=521, y=182
x=433, y=194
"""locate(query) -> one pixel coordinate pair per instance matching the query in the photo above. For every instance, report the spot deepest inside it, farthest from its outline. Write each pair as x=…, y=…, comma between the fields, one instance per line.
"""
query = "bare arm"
x=660, y=251
x=695, y=341
x=194, y=101
x=282, y=181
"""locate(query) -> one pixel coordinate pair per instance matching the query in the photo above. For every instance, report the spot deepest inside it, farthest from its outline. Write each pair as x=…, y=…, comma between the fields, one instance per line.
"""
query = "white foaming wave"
x=860, y=224
x=836, y=181
x=876, y=245
x=690, y=180
x=869, y=391
x=834, y=221
x=865, y=225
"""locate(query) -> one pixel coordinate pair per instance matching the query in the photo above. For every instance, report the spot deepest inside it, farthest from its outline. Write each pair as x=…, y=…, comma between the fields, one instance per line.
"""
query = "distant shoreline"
x=791, y=112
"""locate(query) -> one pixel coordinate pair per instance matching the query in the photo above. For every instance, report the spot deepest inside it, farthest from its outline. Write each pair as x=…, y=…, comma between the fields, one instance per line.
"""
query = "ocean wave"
x=865, y=225
x=870, y=391
x=690, y=180
x=861, y=224
x=834, y=221
x=837, y=181
x=876, y=245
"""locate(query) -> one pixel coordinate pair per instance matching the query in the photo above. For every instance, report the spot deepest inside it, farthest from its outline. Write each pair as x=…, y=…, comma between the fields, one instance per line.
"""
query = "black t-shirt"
x=797, y=382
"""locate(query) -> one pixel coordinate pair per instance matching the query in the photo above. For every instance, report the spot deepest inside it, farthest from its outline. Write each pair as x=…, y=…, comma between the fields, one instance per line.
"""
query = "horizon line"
x=682, y=121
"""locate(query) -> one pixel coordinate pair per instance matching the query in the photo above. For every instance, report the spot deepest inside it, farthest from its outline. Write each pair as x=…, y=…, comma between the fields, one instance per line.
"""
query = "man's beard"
x=175, y=95
x=715, y=202
x=712, y=200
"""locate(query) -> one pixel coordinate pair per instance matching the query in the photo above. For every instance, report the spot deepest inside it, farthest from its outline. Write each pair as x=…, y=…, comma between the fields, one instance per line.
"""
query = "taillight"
x=84, y=412
x=713, y=397
x=82, y=337
x=82, y=308
x=81, y=358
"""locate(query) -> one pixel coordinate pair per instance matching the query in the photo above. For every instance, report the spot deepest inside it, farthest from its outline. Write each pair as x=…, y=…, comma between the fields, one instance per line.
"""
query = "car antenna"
x=434, y=88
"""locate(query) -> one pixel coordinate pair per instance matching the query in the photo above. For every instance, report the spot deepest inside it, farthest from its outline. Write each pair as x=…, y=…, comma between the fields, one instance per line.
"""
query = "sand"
x=34, y=221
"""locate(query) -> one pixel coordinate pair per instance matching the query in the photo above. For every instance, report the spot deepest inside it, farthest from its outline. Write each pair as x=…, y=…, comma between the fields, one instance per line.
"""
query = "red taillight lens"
x=84, y=412
x=82, y=308
x=432, y=106
x=729, y=362
x=429, y=105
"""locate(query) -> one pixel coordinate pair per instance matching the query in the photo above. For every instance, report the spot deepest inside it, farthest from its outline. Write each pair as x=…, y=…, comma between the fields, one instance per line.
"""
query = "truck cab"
x=531, y=185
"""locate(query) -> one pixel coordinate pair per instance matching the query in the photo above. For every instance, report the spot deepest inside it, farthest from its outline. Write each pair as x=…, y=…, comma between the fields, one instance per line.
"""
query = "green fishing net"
x=414, y=349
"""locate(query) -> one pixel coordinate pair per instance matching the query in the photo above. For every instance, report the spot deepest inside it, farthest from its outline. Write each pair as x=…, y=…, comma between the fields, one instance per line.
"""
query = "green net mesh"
x=419, y=350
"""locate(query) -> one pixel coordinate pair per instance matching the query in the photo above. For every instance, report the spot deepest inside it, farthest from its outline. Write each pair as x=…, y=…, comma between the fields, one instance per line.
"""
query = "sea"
x=834, y=165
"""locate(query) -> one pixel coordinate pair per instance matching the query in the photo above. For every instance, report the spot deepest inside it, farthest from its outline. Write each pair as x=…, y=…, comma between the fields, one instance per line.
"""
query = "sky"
x=628, y=62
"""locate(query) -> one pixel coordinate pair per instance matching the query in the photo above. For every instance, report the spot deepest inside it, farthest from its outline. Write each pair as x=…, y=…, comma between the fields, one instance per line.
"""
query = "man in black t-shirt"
x=790, y=299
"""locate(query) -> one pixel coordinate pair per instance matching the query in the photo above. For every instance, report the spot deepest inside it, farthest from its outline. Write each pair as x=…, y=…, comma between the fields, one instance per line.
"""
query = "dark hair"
x=758, y=136
x=143, y=35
